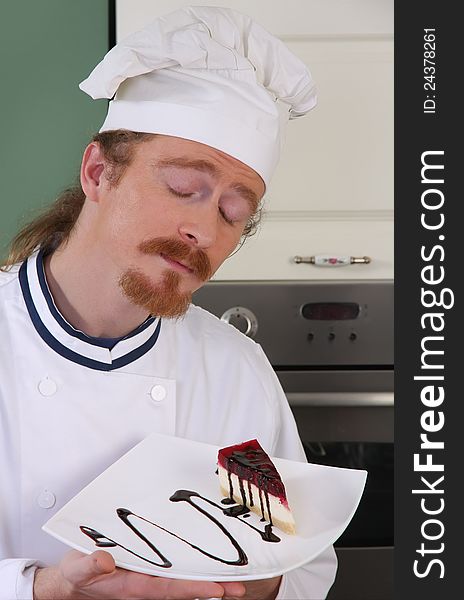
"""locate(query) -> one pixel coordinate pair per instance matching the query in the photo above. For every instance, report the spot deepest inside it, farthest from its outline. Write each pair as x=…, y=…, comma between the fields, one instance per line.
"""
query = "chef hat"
x=206, y=74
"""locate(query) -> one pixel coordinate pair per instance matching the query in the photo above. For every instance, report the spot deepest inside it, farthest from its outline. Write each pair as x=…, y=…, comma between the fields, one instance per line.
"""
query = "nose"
x=199, y=226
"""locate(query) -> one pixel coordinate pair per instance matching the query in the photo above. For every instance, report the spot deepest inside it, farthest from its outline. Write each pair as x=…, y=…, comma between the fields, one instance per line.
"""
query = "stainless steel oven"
x=331, y=345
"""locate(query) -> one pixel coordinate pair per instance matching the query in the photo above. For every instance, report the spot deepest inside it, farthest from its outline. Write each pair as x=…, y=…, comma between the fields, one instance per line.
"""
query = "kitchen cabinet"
x=333, y=190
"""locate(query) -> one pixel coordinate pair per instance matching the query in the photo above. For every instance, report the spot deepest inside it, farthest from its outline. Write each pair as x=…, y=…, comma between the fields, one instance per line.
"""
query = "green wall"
x=46, y=48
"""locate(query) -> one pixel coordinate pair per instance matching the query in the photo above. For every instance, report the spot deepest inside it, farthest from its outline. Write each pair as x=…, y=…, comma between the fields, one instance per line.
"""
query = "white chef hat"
x=206, y=74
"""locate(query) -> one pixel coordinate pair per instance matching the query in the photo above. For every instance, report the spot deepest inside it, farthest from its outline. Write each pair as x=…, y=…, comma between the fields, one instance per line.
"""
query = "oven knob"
x=331, y=336
x=243, y=319
x=310, y=336
x=353, y=336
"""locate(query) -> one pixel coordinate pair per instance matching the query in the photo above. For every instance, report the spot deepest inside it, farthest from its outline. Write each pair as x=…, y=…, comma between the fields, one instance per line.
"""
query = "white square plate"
x=323, y=501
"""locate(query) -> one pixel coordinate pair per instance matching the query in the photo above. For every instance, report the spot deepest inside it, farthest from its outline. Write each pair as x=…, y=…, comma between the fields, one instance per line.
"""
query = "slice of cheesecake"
x=248, y=476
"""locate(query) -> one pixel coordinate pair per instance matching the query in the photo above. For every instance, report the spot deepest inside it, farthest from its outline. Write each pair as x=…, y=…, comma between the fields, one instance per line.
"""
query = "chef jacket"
x=71, y=405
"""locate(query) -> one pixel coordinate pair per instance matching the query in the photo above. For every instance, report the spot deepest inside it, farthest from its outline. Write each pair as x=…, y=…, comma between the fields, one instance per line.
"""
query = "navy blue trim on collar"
x=65, y=352
x=95, y=341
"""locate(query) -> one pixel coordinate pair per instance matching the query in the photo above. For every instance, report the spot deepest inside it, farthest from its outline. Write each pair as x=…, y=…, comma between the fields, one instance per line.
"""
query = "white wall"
x=323, y=16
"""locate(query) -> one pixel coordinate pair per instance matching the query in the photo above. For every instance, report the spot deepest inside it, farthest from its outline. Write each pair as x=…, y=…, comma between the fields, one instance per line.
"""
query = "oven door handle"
x=327, y=399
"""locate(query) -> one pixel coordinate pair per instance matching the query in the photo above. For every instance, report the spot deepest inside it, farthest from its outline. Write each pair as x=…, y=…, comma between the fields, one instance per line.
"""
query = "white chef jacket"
x=70, y=405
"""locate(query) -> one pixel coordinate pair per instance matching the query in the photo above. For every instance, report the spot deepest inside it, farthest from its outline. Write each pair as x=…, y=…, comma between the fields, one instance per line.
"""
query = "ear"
x=92, y=168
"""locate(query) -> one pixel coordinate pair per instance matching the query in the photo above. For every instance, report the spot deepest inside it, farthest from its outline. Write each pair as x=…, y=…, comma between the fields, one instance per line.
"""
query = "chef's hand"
x=80, y=577
x=263, y=589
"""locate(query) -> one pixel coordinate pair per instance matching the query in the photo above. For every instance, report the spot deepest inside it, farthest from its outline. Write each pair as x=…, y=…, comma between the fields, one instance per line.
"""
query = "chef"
x=100, y=345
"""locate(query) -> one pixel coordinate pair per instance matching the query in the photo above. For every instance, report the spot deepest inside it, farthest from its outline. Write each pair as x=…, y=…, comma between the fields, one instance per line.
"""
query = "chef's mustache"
x=194, y=258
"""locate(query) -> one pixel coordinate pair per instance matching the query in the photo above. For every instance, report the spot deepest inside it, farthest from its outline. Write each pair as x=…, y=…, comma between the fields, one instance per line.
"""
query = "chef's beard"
x=164, y=298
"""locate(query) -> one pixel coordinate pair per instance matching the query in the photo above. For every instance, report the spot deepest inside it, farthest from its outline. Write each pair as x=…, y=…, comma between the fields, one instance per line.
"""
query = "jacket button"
x=46, y=499
x=47, y=387
x=158, y=393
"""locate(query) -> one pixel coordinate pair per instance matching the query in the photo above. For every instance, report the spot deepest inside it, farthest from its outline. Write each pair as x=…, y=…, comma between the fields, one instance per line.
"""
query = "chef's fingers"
x=233, y=589
x=263, y=588
x=82, y=569
x=163, y=587
x=137, y=585
x=96, y=574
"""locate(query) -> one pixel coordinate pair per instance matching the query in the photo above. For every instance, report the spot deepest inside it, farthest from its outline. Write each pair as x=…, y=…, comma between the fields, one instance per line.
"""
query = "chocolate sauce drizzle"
x=102, y=541
x=239, y=510
x=245, y=464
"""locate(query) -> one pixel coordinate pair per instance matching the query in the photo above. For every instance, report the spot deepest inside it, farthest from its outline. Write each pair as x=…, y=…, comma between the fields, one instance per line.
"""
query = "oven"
x=331, y=345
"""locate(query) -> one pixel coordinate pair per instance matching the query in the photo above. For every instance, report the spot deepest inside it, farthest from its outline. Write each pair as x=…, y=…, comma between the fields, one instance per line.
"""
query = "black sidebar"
x=428, y=251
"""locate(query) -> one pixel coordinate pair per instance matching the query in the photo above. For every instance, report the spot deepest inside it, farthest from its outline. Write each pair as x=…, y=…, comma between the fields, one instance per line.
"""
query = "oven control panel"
x=309, y=323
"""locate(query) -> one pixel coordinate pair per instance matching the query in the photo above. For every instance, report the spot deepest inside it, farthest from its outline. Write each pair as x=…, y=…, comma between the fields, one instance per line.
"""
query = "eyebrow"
x=207, y=167
x=188, y=163
x=248, y=194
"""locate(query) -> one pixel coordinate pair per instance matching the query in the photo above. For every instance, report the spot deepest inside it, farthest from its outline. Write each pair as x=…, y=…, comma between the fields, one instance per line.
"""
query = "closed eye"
x=180, y=194
x=225, y=217
x=230, y=220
